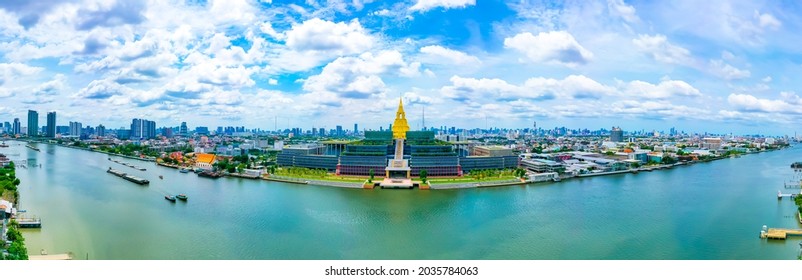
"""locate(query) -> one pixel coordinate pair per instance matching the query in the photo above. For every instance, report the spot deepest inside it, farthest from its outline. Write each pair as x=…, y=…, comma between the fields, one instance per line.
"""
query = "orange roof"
x=205, y=158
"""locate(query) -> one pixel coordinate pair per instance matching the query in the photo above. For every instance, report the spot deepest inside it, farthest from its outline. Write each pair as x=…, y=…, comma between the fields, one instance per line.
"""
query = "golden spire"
x=400, y=126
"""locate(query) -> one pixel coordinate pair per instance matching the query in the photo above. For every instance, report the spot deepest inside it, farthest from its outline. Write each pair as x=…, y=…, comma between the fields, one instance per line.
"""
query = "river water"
x=711, y=210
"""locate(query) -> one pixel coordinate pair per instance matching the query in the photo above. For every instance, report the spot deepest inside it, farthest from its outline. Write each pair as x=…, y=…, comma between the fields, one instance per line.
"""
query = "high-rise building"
x=75, y=129
x=33, y=123
x=356, y=129
x=51, y=125
x=143, y=129
x=17, y=127
x=100, y=131
x=168, y=132
x=617, y=135
x=202, y=130
x=8, y=127
x=339, y=130
x=183, y=130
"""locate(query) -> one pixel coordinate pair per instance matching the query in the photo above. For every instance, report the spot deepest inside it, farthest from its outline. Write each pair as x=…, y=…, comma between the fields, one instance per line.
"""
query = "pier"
x=780, y=195
x=131, y=178
x=780, y=233
x=29, y=222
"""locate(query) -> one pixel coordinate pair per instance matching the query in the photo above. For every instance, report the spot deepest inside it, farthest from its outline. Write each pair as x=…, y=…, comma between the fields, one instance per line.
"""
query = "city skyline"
x=263, y=65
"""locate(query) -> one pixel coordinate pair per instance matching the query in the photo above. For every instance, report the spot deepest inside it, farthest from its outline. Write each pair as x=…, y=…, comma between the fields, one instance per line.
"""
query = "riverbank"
x=85, y=149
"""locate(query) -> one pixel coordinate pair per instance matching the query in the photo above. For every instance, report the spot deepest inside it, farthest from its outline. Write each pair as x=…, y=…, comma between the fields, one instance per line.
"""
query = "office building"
x=17, y=129
x=182, y=131
x=100, y=131
x=33, y=123
x=50, y=132
x=75, y=129
x=143, y=129
x=616, y=135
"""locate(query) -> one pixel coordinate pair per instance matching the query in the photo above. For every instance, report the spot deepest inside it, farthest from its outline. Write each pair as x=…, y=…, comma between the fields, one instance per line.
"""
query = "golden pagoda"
x=400, y=126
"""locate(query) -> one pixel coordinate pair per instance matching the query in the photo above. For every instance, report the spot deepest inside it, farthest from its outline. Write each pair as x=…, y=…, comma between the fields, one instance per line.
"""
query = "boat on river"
x=181, y=197
x=170, y=198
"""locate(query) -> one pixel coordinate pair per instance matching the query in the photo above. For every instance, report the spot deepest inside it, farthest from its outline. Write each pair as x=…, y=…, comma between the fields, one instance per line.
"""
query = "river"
x=704, y=211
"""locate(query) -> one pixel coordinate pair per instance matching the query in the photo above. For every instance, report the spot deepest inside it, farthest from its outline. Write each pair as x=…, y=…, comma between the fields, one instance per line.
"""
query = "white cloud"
x=665, y=89
x=12, y=71
x=538, y=88
x=767, y=21
x=272, y=82
x=660, y=49
x=325, y=36
x=789, y=104
x=726, y=71
x=358, y=77
x=452, y=56
x=425, y=5
x=552, y=47
x=267, y=28
x=381, y=13
x=767, y=79
x=621, y=9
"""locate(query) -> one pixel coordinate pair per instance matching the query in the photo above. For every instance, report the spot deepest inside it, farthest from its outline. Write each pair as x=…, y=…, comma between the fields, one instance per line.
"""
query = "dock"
x=780, y=233
x=29, y=222
x=780, y=195
x=56, y=257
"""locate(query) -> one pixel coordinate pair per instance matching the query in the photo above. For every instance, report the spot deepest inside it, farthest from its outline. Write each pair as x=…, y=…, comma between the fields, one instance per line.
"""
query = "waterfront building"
x=17, y=127
x=50, y=132
x=205, y=161
x=616, y=135
x=33, y=123
x=382, y=152
x=123, y=134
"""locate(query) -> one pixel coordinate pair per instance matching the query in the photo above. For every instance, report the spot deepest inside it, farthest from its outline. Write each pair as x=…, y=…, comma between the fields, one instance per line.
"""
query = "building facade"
x=33, y=123
x=50, y=132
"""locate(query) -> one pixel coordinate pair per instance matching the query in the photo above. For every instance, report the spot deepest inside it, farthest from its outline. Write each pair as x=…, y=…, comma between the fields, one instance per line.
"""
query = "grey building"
x=33, y=123
x=51, y=125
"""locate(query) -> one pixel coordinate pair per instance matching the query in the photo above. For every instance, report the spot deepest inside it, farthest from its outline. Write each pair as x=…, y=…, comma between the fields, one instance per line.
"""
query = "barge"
x=128, y=177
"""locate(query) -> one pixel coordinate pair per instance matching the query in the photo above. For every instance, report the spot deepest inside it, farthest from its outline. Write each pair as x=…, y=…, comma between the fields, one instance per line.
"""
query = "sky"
x=702, y=66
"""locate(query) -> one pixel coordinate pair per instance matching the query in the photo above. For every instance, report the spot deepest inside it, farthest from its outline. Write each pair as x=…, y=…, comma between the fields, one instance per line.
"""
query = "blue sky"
x=705, y=66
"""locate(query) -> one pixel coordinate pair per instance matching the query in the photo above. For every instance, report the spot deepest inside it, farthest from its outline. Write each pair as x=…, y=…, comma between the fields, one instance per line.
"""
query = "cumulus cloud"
x=12, y=71
x=425, y=5
x=538, y=88
x=552, y=47
x=660, y=49
x=450, y=56
x=321, y=35
x=665, y=89
x=118, y=13
x=358, y=77
x=789, y=103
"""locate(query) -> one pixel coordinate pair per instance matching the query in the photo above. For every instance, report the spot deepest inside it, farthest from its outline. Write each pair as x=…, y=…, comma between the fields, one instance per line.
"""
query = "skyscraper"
x=339, y=130
x=33, y=123
x=51, y=125
x=17, y=127
x=100, y=131
x=143, y=129
x=356, y=129
x=617, y=135
x=75, y=129
x=183, y=130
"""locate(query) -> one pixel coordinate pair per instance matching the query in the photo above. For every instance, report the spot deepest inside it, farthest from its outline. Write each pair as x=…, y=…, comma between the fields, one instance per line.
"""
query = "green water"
x=706, y=211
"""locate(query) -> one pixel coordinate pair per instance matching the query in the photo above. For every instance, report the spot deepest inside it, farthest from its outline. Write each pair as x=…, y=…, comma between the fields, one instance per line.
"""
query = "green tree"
x=370, y=172
x=423, y=175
